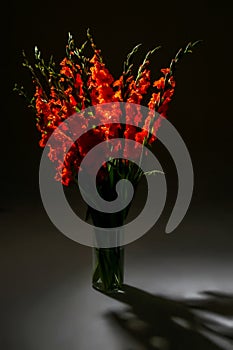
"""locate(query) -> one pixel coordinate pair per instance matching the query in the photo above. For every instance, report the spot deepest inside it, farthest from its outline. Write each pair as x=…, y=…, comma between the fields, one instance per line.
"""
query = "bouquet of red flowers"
x=80, y=82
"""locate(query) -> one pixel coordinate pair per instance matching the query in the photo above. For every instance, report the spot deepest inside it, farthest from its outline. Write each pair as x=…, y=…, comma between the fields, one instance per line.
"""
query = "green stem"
x=109, y=268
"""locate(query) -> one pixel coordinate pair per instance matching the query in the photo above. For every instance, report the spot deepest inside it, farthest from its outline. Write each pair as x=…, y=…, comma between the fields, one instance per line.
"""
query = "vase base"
x=100, y=288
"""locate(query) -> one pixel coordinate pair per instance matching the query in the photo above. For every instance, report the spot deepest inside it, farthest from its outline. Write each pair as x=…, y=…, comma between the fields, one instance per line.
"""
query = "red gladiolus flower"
x=82, y=82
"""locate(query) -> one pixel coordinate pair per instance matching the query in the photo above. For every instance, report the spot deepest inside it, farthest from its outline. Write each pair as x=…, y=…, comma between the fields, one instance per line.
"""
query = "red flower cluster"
x=82, y=82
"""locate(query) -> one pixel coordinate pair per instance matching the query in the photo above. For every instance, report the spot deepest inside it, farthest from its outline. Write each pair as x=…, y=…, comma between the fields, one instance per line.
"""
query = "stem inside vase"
x=108, y=269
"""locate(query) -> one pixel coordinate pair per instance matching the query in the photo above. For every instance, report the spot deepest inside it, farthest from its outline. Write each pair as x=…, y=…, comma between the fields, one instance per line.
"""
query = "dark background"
x=201, y=107
x=36, y=258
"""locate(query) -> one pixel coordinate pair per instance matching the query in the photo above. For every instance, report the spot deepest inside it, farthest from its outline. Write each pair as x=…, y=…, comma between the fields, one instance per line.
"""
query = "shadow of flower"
x=158, y=322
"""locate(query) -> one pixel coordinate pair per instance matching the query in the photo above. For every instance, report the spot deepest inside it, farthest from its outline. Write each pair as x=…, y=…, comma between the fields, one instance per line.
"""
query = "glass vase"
x=108, y=269
x=107, y=263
